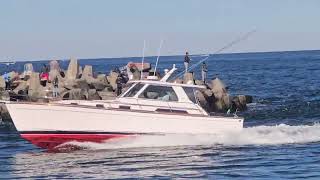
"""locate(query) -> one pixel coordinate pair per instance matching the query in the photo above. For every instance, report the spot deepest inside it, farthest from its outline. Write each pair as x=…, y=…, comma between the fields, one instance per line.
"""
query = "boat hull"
x=49, y=125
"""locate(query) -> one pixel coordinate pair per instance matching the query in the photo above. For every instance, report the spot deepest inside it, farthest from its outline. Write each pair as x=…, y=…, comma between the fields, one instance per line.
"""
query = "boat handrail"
x=160, y=101
x=186, y=102
x=160, y=83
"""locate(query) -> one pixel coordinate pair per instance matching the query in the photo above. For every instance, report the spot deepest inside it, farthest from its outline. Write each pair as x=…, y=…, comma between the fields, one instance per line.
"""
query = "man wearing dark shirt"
x=186, y=62
x=119, y=85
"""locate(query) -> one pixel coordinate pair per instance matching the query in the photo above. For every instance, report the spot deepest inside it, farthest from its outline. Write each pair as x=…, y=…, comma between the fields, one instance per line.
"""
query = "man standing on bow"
x=186, y=62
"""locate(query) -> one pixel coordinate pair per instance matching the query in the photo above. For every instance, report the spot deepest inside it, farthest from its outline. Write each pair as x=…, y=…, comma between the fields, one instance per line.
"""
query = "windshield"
x=160, y=93
x=134, y=90
x=190, y=93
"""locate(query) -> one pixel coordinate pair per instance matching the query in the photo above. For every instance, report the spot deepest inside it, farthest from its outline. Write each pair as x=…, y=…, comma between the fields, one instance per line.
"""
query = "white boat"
x=146, y=108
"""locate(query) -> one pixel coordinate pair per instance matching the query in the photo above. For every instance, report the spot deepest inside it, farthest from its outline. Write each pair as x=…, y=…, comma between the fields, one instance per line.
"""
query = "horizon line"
x=127, y=57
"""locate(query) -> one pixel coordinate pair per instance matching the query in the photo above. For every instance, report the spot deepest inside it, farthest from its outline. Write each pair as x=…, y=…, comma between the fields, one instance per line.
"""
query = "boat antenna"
x=159, y=50
x=230, y=44
x=142, y=61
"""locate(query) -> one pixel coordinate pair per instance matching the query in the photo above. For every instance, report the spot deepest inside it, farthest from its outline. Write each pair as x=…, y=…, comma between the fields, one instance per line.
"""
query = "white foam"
x=259, y=135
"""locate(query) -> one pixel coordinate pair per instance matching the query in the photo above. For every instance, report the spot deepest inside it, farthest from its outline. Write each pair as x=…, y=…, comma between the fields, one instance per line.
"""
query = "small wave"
x=259, y=135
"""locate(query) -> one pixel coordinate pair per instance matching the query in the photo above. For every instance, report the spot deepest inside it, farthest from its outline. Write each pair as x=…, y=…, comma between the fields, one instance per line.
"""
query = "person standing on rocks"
x=119, y=85
x=55, y=87
x=7, y=80
x=44, y=76
x=204, y=70
x=186, y=62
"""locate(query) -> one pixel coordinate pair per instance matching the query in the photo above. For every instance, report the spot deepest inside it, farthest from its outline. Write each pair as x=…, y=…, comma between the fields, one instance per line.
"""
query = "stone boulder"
x=240, y=102
x=4, y=95
x=4, y=113
x=81, y=83
x=207, y=93
x=202, y=100
x=112, y=79
x=93, y=95
x=72, y=72
x=80, y=71
x=106, y=94
x=87, y=72
x=70, y=84
x=221, y=96
x=218, y=88
x=101, y=82
x=35, y=91
x=102, y=77
x=140, y=67
x=28, y=69
x=198, y=82
x=76, y=94
x=178, y=81
x=54, y=70
x=2, y=83
x=99, y=85
x=188, y=78
x=13, y=76
x=22, y=86
x=222, y=104
x=54, y=65
x=133, y=71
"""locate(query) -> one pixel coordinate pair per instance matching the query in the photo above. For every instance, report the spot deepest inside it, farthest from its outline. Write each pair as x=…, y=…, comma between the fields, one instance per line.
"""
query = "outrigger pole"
x=235, y=41
x=142, y=61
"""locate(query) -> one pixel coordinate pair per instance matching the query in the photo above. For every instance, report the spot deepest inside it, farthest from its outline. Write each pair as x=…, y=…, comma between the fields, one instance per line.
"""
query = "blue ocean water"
x=281, y=138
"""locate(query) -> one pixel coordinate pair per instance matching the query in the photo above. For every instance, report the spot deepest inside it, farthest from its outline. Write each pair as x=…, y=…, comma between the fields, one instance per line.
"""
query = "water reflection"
x=284, y=161
x=124, y=163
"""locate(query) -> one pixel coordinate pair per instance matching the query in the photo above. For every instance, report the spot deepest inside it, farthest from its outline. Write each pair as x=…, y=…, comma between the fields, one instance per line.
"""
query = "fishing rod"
x=235, y=41
x=159, y=50
x=199, y=55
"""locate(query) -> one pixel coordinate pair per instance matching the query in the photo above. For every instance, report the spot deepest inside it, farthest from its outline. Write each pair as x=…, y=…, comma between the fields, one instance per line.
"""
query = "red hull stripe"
x=50, y=141
x=76, y=132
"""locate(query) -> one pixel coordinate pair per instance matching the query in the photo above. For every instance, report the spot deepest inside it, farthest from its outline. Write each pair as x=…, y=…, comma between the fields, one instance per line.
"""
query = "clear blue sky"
x=43, y=29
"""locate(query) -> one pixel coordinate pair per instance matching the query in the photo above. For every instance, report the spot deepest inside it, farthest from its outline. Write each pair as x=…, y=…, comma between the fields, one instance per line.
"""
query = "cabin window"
x=160, y=93
x=190, y=93
x=133, y=91
x=99, y=105
x=124, y=107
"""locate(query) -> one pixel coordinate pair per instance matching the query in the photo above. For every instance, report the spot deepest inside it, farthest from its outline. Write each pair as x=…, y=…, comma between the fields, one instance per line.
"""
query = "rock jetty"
x=77, y=83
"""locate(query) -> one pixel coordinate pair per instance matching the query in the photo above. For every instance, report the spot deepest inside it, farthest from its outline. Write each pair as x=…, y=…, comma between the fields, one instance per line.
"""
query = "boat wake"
x=259, y=135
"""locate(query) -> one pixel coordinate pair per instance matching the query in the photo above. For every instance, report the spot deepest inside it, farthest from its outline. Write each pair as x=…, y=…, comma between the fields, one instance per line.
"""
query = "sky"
x=60, y=29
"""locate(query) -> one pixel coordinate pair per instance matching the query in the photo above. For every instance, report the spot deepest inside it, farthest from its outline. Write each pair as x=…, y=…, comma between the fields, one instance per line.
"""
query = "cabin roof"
x=160, y=83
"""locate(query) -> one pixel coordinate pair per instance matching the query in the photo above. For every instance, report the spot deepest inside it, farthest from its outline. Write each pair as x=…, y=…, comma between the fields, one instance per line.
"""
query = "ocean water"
x=281, y=138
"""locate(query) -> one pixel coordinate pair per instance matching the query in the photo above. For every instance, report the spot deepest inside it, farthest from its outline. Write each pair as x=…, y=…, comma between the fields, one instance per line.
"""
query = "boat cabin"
x=164, y=94
x=153, y=96
x=162, y=91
